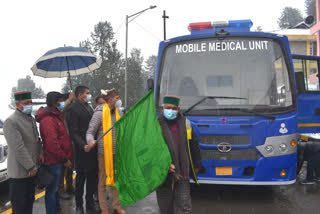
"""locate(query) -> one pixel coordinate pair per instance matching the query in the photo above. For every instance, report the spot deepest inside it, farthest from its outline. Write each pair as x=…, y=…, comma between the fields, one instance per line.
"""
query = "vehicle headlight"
x=269, y=148
x=283, y=147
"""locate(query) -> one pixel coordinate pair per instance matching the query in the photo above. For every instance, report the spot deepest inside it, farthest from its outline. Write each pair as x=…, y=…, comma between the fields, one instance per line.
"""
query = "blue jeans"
x=52, y=195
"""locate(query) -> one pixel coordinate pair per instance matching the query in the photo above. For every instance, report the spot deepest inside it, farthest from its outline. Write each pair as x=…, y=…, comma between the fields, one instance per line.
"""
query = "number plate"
x=224, y=170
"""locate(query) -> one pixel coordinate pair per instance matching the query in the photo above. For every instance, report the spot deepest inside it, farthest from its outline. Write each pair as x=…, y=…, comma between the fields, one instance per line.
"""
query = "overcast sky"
x=31, y=28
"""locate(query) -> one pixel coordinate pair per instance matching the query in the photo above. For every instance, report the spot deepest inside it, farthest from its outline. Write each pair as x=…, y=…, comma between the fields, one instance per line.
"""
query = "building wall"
x=298, y=47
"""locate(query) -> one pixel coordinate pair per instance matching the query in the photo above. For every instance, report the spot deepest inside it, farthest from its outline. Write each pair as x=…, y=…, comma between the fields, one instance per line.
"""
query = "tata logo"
x=224, y=147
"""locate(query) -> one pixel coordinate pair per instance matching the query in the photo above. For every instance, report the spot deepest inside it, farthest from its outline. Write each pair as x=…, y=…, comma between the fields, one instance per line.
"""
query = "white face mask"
x=27, y=109
x=88, y=98
x=118, y=104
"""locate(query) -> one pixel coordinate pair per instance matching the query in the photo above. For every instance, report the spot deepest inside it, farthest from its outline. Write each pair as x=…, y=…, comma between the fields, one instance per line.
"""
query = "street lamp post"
x=126, y=52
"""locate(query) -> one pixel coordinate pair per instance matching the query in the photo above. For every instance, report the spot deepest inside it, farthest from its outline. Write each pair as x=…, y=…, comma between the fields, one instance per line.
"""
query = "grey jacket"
x=95, y=129
x=24, y=145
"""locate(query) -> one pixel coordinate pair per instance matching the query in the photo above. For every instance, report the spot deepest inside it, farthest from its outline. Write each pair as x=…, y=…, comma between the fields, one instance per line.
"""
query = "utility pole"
x=164, y=24
x=128, y=20
x=126, y=64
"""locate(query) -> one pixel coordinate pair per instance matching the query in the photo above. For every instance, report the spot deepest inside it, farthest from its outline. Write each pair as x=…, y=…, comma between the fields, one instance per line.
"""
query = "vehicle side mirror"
x=150, y=84
x=300, y=82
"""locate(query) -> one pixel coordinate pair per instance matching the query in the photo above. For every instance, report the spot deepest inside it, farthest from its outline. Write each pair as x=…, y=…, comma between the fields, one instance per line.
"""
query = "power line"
x=143, y=28
x=119, y=27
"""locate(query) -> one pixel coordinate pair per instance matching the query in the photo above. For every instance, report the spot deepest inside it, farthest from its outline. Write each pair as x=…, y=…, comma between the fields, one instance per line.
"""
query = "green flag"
x=142, y=156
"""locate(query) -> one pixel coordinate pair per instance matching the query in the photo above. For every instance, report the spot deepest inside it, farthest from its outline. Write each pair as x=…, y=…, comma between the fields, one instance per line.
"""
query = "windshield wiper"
x=250, y=112
x=211, y=97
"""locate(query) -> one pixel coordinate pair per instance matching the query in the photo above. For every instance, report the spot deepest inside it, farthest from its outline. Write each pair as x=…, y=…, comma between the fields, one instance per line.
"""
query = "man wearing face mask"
x=57, y=146
x=174, y=195
x=65, y=190
x=78, y=117
x=104, y=117
x=25, y=151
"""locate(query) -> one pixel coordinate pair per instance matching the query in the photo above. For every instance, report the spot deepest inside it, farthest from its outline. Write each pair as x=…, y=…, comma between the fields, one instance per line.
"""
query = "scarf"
x=107, y=143
x=179, y=156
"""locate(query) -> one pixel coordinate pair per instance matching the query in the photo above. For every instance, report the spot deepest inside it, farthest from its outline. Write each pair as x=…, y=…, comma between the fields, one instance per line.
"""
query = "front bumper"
x=266, y=171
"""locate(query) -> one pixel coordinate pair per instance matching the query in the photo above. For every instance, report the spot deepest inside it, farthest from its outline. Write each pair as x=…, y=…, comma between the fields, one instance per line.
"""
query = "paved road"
x=225, y=199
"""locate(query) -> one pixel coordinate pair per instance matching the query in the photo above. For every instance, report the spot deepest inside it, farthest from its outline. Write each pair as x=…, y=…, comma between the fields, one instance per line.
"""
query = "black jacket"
x=78, y=117
x=306, y=150
x=194, y=144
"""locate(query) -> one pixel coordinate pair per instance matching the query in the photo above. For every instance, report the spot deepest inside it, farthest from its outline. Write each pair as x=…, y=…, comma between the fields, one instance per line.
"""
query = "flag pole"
x=104, y=134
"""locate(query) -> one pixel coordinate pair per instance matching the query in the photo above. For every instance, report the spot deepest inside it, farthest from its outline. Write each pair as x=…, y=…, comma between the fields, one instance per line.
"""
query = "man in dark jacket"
x=56, y=145
x=65, y=190
x=174, y=195
x=78, y=117
x=309, y=151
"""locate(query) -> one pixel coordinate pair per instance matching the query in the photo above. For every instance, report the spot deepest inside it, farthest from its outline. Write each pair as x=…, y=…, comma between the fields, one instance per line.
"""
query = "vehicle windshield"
x=251, y=70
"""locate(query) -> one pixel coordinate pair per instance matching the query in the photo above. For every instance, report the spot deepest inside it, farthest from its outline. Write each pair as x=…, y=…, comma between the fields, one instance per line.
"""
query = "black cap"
x=53, y=97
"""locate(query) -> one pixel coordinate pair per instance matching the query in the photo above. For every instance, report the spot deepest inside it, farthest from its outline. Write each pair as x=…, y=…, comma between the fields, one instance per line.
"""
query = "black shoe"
x=93, y=207
x=65, y=196
x=79, y=210
x=95, y=197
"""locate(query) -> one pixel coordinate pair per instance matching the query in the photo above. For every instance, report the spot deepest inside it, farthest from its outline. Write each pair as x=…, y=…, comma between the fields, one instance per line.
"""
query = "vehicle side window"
x=309, y=68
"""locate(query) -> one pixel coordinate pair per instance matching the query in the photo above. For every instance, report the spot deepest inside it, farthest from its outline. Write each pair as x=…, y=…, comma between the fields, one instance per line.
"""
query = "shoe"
x=60, y=211
x=93, y=207
x=65, y=196
x=95, y=197
x=119, y=210
x=307, y=182
x=79, y=210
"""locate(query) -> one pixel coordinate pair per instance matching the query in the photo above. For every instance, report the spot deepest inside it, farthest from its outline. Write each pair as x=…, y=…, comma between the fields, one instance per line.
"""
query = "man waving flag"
x=142, y=157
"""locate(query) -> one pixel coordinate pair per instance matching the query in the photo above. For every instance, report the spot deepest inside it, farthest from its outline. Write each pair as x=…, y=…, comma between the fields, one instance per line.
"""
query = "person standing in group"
x=56, y=145
x=174, y=195
x=24, y=153
x=78, y=117
x=66, y=190
x=99, y=100
x=104, y=117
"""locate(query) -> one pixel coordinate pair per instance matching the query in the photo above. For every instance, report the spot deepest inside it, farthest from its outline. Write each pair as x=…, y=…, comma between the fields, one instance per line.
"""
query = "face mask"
x=27, y=109
x=88, y=99
x=118, y=104
x=170, y=114
x=122, y=109
x=61, y=107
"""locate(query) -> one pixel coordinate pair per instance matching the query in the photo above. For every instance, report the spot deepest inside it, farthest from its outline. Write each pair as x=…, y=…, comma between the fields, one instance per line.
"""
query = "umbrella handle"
x=69, y=76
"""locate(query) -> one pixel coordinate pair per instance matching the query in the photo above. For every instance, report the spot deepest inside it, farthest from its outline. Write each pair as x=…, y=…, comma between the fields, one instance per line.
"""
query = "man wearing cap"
x=78, y=117
x=174, y=195
x=57, y=146
x=24, y=153
x=104, y=117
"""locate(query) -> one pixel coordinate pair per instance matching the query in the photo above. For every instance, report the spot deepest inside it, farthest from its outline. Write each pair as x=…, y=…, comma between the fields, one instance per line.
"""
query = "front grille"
x=232, y=139
x=243, y=154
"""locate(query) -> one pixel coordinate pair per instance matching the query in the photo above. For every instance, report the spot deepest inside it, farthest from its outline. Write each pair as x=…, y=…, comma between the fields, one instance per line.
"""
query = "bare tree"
x=289, y=17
